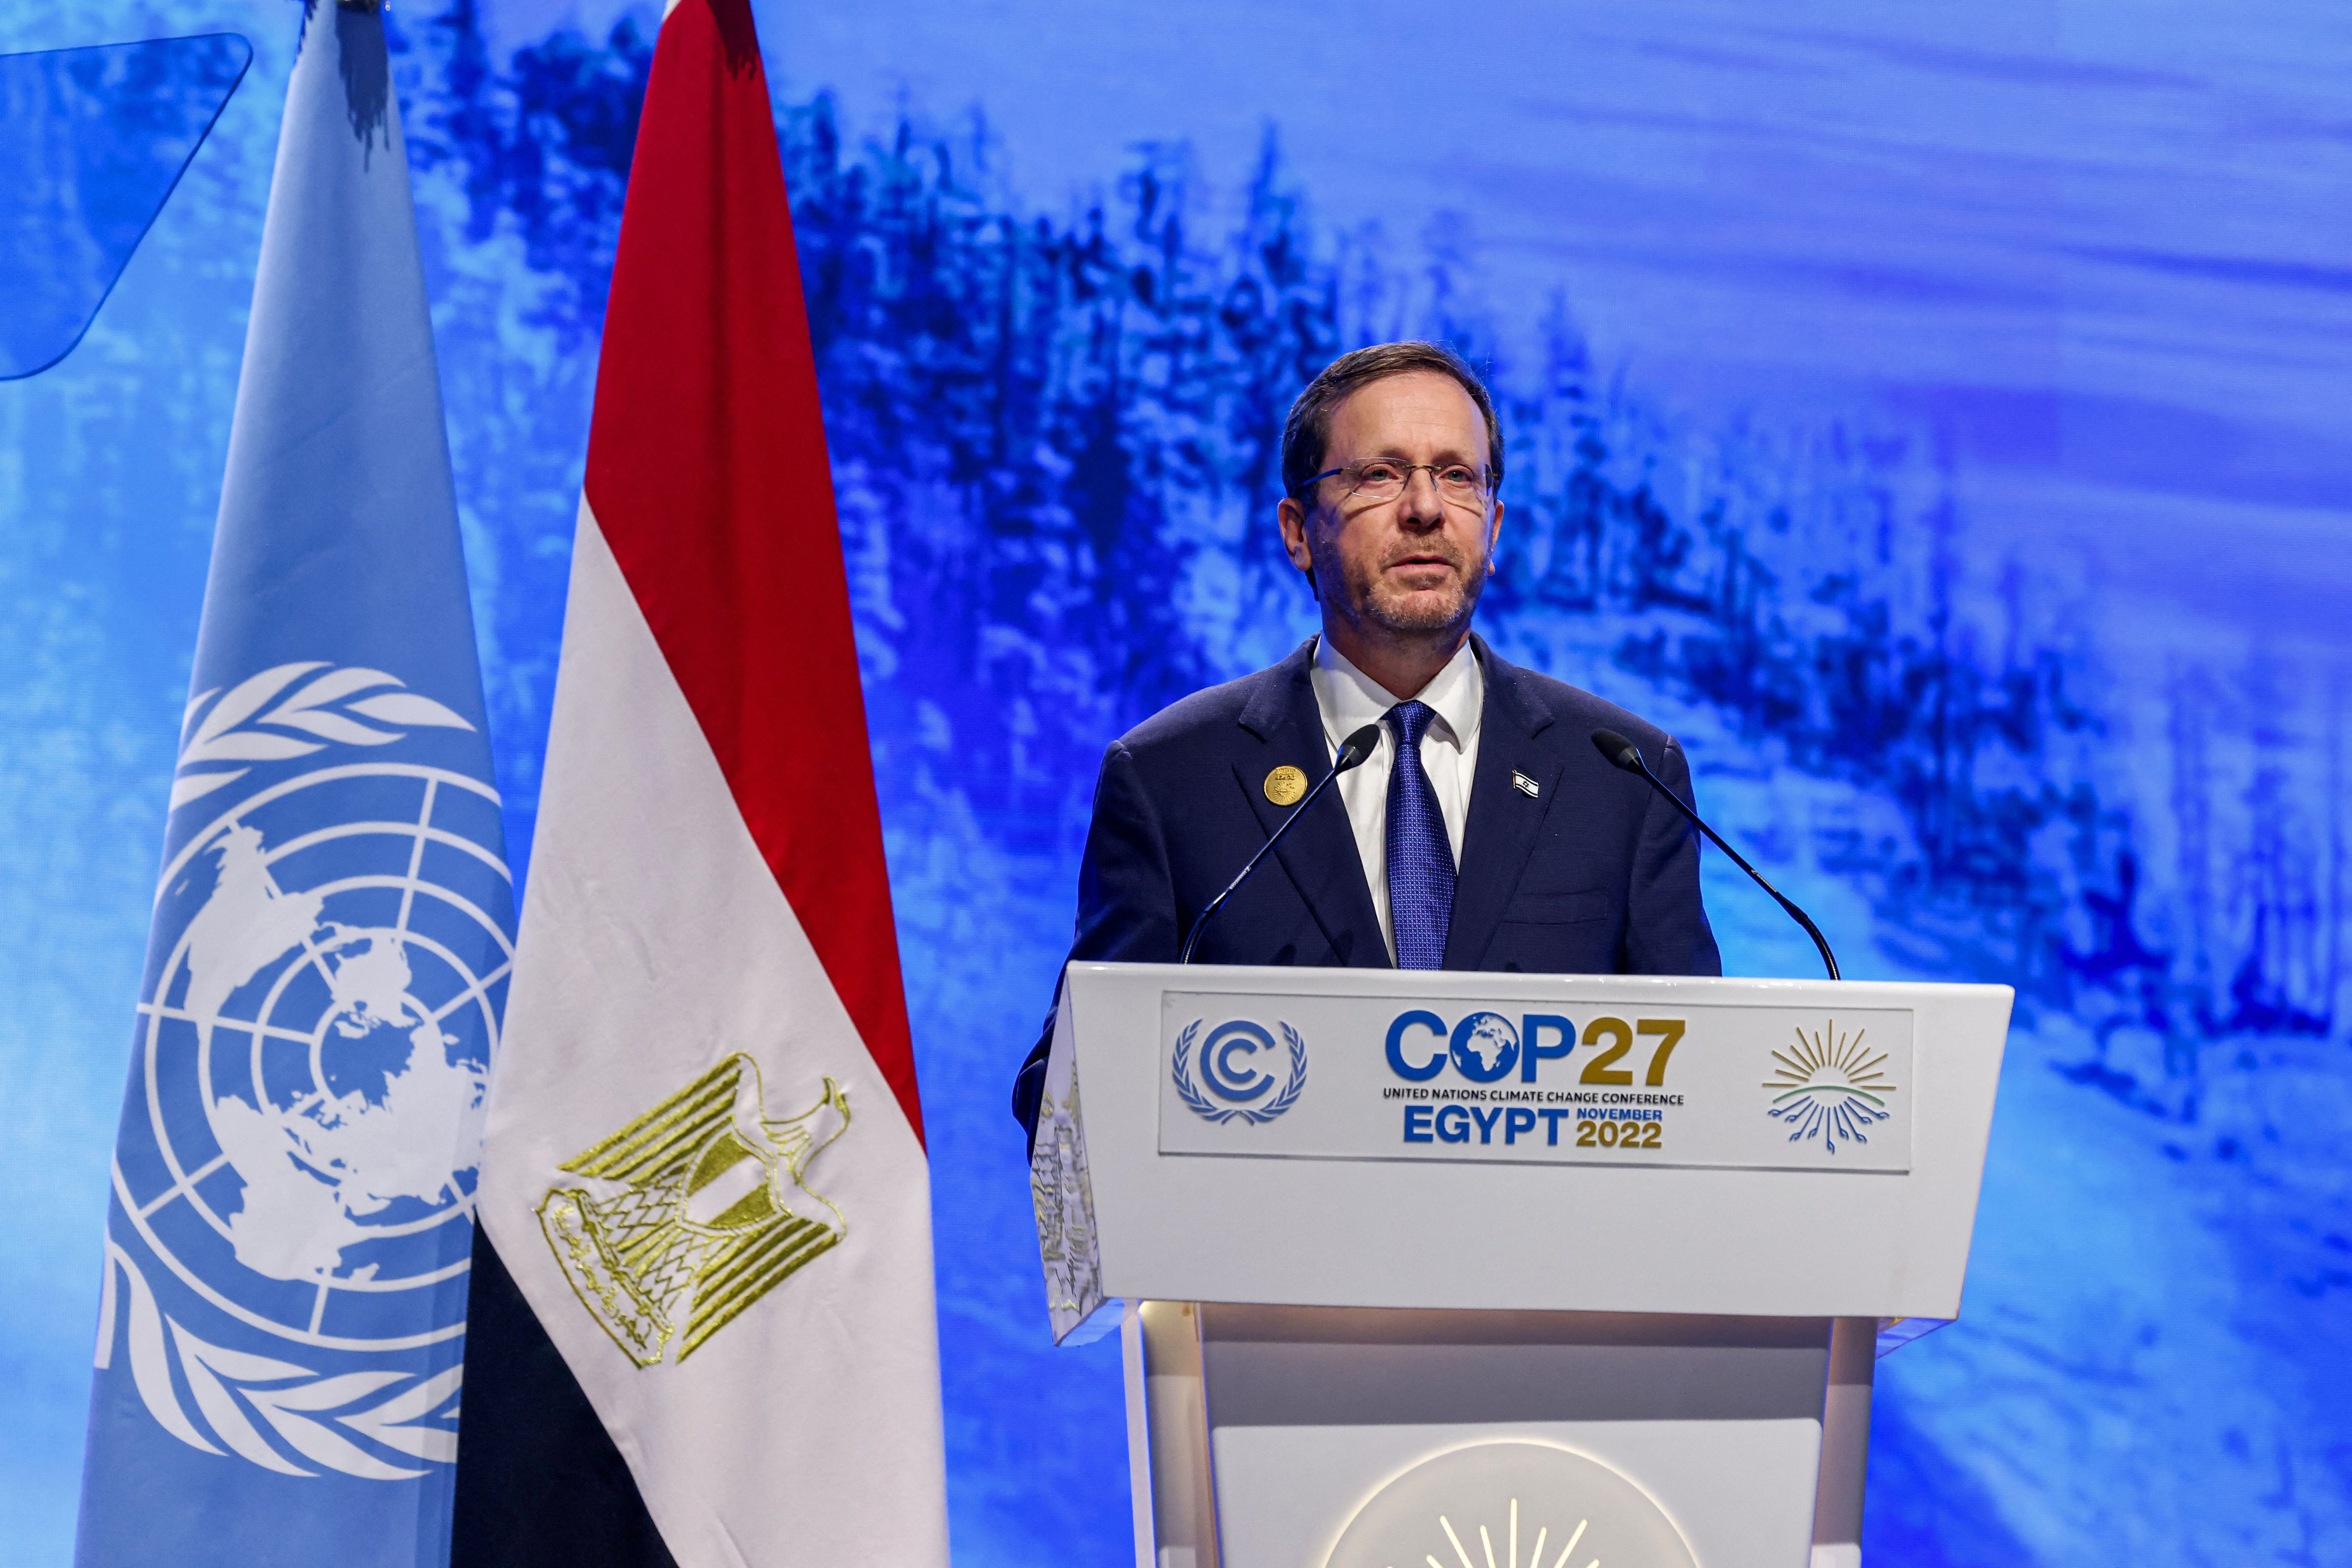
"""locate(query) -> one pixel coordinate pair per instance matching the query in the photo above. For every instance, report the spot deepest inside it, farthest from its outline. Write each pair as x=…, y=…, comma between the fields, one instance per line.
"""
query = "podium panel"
x=1314, y=1415
x=1390, y=1251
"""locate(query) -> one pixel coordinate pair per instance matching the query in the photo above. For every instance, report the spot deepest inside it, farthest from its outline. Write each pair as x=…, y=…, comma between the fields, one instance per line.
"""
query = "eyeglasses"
x=1384, y=479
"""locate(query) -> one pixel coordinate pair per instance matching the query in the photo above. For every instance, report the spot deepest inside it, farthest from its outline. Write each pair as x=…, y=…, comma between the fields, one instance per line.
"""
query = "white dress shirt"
x=1348, y=700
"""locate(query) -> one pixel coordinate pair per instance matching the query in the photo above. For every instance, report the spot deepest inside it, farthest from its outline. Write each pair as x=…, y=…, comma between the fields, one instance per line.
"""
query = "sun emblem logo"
x=1511, y=1544
x=1463, y=1508
x=1829, y=1086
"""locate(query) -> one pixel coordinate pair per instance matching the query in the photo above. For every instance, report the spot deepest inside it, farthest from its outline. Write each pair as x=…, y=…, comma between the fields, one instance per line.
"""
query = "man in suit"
x=1483, y=832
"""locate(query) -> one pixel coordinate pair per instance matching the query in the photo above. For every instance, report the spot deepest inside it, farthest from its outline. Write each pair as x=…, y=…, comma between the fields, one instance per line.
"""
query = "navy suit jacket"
x=1591, y=875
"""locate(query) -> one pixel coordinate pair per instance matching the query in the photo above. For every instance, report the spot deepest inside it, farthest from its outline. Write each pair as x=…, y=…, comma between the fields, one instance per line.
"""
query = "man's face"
x=1415, y=564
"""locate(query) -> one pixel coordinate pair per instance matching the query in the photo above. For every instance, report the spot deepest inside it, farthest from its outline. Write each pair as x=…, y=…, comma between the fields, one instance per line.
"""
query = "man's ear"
x=1294, y=522
x=1295, y=542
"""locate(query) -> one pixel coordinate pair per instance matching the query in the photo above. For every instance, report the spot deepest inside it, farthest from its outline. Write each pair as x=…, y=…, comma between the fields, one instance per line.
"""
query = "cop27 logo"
x=1485, y=1047
x=1239, y=1068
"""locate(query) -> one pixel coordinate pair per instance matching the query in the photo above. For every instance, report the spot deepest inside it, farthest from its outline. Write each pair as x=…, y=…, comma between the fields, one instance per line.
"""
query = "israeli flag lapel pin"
x=1524, y=784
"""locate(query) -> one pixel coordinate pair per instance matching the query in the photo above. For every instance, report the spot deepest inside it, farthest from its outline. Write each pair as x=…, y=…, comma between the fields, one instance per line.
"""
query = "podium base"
x=1258, y=1435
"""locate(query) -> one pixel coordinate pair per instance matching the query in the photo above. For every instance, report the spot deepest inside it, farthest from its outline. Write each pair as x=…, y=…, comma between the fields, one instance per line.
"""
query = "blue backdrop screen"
x=1935, y=420
x=97, y=137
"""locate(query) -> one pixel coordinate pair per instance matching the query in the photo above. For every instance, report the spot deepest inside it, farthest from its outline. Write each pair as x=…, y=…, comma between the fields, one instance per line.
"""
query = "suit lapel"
x=1319, y=854
x=1504, y=821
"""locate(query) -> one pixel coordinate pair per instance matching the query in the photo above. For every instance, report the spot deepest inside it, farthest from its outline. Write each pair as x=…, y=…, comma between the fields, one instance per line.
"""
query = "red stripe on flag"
x=707, y=469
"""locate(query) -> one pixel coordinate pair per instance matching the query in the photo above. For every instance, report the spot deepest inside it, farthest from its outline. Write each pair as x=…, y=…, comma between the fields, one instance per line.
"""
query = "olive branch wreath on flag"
x=292, y=1399
x=323, y=709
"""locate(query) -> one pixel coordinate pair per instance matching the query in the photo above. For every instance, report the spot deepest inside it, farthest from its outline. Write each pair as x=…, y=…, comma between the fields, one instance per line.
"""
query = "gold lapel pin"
x=1285, y=786
x=1519, y=781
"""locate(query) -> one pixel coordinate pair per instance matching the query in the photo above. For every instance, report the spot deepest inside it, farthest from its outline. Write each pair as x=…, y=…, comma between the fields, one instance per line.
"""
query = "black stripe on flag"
x=539, y=1484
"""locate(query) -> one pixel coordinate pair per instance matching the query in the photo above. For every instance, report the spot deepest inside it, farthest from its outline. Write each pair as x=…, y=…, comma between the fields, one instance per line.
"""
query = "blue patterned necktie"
x=1421, y=857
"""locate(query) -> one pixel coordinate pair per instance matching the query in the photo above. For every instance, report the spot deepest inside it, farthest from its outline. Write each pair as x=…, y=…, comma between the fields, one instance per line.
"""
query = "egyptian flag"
x=702, y=1322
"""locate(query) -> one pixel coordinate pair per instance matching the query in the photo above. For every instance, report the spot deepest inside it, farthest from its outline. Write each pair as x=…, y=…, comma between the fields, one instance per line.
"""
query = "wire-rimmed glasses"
x=1385, y=478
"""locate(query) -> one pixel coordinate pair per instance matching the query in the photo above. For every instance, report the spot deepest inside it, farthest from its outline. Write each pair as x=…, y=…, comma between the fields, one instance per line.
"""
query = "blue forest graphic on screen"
x=1978, y=747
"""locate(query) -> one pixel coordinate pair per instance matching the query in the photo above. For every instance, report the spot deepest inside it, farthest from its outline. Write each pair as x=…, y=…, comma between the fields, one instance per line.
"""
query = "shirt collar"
x=1350, y=699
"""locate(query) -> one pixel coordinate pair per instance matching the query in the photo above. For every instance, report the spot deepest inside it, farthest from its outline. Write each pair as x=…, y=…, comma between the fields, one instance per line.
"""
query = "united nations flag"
x=282, y=1317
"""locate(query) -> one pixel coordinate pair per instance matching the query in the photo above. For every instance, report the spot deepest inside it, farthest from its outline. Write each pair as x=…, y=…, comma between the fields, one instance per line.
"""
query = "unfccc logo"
x=1484, y=1047
x=1240, y=1068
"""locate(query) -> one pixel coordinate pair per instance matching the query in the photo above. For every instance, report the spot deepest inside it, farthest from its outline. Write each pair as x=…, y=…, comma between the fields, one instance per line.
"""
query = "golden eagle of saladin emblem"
x=711, y=1212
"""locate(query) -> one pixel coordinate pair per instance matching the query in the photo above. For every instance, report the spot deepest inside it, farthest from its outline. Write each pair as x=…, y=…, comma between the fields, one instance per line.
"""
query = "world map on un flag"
x=321, y=1165
x=296, y=1173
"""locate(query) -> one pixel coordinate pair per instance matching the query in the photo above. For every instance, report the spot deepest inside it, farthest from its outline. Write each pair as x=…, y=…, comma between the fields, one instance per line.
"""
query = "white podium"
x=1506, y=1271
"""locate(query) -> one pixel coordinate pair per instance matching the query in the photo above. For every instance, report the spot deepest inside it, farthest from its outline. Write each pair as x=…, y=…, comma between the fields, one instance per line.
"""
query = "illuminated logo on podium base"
x=1513, y=1504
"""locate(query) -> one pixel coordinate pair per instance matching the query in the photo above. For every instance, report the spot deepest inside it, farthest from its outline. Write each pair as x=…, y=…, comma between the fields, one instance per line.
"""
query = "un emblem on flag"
x=295, y=1174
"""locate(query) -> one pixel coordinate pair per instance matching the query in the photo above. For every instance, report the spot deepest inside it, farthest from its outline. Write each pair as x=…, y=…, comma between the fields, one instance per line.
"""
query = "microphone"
x=1352, y=752
x=1623, y=753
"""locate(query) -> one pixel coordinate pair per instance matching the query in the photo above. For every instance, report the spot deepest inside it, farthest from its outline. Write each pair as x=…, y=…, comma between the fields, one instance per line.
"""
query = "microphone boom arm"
x=1353, y=751
x=1632, y=762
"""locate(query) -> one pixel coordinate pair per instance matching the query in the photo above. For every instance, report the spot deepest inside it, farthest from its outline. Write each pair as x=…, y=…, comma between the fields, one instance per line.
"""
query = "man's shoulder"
x=1214, y=716
x=1573, y=711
